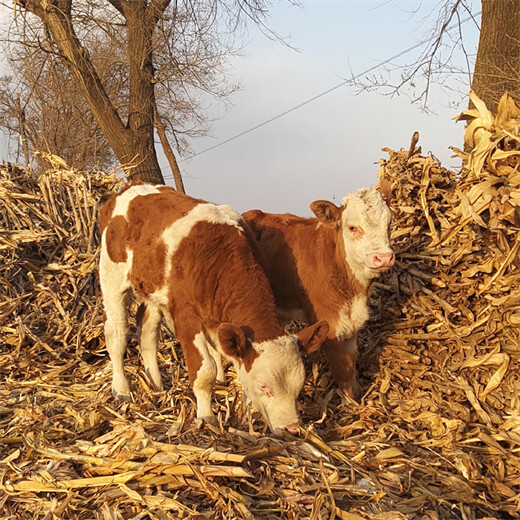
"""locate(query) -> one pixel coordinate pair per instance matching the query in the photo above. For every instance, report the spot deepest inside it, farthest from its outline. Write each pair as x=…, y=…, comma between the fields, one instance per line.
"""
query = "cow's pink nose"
x=383, y=260
x=292, y=428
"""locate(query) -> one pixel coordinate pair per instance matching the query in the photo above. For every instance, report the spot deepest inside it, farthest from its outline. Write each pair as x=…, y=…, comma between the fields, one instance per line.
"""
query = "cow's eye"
x=353, y=229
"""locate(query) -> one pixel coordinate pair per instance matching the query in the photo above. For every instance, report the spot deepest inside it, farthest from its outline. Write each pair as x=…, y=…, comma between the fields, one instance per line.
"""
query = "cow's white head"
x=271, y=372
x=363, y=226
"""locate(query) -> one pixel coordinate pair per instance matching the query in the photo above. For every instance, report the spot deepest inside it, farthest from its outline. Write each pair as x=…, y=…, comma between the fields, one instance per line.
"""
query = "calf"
x=192, y=263
x=321, y=268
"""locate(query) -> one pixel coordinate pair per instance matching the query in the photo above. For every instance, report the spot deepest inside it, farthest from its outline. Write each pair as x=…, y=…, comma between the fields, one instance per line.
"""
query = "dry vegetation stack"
x=437, y=435
x=48, y=253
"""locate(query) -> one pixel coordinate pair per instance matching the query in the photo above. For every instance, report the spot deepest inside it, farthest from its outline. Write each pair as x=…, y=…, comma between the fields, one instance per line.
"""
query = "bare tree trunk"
x=141, y=21
x=23, y=137
x=497, y=66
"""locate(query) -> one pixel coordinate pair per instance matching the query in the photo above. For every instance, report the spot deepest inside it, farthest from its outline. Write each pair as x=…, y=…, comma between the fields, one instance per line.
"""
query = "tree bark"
x=133, y=144
x=497, y=66
x=141, y=21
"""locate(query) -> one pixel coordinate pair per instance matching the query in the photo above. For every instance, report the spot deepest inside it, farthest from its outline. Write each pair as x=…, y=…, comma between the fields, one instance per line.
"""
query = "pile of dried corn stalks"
x=437, y=435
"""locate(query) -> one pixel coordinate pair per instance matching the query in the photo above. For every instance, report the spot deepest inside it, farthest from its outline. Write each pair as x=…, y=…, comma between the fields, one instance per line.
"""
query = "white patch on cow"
x=366, y=210
x=279, y=367
x=352, y=316
x=205, y=379
x=204, y=212
x=123, y=200
x=160, y=297
x=173, y=235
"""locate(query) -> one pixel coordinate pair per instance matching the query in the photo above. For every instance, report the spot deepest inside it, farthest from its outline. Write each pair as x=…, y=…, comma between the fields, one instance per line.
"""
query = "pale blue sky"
x=331, y=146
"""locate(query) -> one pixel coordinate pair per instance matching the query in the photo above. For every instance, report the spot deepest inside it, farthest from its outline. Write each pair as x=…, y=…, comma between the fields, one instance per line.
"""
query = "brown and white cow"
x=192, y=263
x=321, y=268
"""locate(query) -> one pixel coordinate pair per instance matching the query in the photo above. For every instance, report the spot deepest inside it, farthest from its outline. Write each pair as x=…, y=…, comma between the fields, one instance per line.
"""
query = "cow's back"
x=176, y=249
x=290, y=249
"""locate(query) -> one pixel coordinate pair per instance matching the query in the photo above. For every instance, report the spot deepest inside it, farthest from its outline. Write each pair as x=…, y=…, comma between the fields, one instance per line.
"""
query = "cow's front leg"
x=217, y=357
x=342, y=356
x=202, y=371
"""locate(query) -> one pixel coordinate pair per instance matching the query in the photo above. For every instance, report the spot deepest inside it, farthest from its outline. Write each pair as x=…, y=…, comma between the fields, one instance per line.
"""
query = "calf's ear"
x=312, y=337
x=385, y=188
x=232, y=341
x=326, y=212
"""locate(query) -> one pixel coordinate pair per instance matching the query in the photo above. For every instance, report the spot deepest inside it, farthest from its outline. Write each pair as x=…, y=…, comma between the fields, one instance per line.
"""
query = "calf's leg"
x=149, y=324
x=116, y=329
x=114, y=287
x=217, y=357
x=202, y=371
x=342, y=358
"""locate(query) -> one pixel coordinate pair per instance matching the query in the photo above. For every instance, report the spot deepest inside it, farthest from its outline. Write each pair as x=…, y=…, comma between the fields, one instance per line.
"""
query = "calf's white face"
x=272, y=372
x=275, y=381
x=363, y=224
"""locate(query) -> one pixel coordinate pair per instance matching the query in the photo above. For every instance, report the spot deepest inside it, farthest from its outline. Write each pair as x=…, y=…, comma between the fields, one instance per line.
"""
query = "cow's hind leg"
x=115, y=288
x=116, y=330
x=149, y=323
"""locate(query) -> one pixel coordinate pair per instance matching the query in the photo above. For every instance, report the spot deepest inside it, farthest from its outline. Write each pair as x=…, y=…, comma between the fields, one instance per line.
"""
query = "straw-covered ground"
x=436, y=435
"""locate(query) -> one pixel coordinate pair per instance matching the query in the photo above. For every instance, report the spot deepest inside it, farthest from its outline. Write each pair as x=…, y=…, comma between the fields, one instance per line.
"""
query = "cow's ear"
x=312, y=337
x=385, y=188
x=326, y=212
x=232, y=341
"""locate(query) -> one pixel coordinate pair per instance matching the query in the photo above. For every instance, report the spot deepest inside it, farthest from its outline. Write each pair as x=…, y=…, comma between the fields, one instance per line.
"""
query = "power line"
x=328, y=91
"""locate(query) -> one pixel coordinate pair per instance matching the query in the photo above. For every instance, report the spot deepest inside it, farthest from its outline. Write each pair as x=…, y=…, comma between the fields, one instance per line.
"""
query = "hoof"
x=122, y=395
x=208, y=419
x=158, y=388
x=347, y=397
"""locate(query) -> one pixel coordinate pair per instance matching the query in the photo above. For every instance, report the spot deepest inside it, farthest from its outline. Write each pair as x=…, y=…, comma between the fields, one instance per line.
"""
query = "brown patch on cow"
x=105, y=213
x=148, y=269
x=277, y=259
x=182, y=205
x=305, y=264
x=117, y=239
x=148, y=217
x=249, y=359
x=215, y=270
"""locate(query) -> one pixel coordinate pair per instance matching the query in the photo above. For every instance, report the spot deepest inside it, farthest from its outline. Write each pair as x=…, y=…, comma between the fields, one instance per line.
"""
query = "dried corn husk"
x=437, y=434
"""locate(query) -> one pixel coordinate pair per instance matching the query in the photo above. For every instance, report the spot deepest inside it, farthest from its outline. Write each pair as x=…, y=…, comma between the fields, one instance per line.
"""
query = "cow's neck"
x=255, y=314
x=353, y=314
